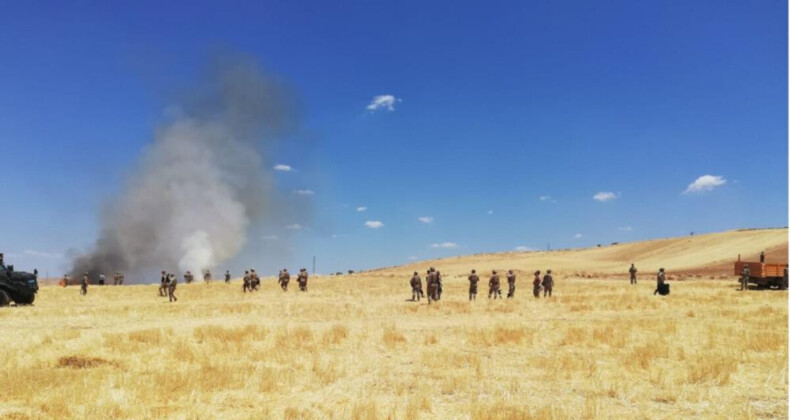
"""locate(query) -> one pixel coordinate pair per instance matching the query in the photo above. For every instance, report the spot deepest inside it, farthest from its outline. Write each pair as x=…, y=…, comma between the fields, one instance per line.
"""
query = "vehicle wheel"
x=24, y=299
x=4, y=299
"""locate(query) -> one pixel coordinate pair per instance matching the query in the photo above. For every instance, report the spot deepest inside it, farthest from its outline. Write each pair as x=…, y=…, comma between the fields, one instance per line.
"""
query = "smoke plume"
x=191, y=199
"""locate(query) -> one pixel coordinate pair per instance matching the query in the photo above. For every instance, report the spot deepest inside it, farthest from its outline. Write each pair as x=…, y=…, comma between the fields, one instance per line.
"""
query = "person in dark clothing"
x=171, y=288
x=632, y=272
x=416, y=287
x=660, y=280
x=473, y=280
x=511, y=284
x=536, y=285
x=548, y=284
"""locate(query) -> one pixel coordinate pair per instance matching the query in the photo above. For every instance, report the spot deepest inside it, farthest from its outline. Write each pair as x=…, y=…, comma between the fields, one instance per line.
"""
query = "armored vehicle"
x=17, y=286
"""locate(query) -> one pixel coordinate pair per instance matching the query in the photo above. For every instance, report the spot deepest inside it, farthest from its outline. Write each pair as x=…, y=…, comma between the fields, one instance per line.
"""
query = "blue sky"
x=496, y=105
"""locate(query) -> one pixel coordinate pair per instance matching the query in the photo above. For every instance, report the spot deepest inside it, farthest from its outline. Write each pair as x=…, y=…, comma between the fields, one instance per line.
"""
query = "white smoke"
x=200, y=184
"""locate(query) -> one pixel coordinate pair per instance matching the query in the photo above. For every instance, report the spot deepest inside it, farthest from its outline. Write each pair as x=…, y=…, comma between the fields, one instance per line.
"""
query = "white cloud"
x=361, y=208
x=523, y=248
x=445, y=245
x=578, y=235
x=705, y=183
x=625, y=228
x=426, y=219
x=269, y=237
x=295, y=226
x=283, y=168
x=605, y=196
x=383, y=102
x=374, y=224
x=490, y=212
x=304, y=192
x=545, y=197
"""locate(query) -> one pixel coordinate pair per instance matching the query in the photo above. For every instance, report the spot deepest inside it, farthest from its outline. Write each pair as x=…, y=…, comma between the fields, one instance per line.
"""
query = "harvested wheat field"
x=353, y=347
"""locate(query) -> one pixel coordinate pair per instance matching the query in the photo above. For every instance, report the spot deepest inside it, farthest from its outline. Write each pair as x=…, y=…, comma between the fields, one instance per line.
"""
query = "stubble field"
x=353, y=347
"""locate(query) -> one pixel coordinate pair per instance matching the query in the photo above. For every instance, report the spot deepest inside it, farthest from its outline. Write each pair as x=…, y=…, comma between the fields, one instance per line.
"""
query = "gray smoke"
x=201, y=183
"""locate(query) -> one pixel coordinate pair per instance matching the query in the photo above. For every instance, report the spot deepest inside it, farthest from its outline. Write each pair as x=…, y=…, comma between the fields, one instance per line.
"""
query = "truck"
x=763, y=274
x=17, y=286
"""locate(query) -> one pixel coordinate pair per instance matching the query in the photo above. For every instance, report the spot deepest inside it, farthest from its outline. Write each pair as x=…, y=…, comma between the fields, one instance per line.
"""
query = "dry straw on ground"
x=354, y=348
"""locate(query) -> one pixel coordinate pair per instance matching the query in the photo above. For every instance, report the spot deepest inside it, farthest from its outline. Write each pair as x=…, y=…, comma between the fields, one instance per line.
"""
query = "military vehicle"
x=17, y=286
x=762, y=274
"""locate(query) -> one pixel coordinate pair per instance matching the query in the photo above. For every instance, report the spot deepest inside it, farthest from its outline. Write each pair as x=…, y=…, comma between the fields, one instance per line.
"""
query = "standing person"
x=102, y=279
x=548, y=283
x=660, y=280
x=207, y=277
x=65, y=280
x=246, y=279
x=302, y=279
x=416, y=286
x=632, y=272
x=536, y=285
x=473, y=280
x=171, y=288
x=439, y=286
x=188, y=277
x=762, y=257
x=286, y=278
x=84, y=285
x=255, y=281
x=227, y=276
x=163, y=284
x=511, y=284
x=493, y=286
x=745, y=274
x=430, y=280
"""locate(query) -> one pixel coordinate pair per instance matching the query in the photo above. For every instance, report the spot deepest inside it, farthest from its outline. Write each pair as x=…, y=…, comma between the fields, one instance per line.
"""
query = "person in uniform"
x=84, y=285
x=171, y=288
x=207, y=277
x=762, y=257
x=286, y=278
x=745, y=274
x=536, y=285
x=227, y=276
x=102, y=278
x=430, y=280
x=511, y=284
x=493, y=286
x=246, y=282
x=473, y=280
x=548, y=283
x=415, y=283
x=255, y=281
x=188, y=277
x=660, y=279
x=632, y=272
x=163, y=284
x=302, y=279
x=439, y=286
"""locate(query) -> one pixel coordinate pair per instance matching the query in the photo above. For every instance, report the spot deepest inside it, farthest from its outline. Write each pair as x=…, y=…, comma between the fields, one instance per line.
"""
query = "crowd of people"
x=433, y=279
x=540, y=283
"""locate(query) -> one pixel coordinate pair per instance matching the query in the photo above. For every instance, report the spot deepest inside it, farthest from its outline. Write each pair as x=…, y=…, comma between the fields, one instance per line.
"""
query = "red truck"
x=763, y=274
